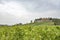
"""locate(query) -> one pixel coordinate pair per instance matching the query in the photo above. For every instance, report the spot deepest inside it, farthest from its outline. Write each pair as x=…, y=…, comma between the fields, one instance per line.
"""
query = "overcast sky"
x=16, y=11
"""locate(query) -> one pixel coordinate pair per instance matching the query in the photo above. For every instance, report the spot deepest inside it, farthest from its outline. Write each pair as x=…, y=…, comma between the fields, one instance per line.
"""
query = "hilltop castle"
x=43, y=20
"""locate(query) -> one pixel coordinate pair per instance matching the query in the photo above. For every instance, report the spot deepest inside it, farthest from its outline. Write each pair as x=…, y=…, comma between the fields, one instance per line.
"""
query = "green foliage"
x=33, y=31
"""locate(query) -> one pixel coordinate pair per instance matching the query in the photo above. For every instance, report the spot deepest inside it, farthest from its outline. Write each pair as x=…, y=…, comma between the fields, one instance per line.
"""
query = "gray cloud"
x=39, y=5
x=42, y=5
x=37, y=8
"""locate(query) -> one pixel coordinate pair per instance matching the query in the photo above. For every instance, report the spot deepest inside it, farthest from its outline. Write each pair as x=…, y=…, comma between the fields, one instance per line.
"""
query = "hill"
x=32, y=31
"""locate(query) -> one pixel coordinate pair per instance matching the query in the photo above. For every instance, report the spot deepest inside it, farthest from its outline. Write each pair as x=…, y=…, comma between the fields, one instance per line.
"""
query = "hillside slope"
x=33, y=31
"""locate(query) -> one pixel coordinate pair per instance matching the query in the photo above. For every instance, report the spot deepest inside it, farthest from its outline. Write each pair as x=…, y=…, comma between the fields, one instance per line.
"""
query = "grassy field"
x=33, y=31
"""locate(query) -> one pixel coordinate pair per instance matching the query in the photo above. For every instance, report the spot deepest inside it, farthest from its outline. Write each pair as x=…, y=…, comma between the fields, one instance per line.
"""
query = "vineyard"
x=30, y=32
